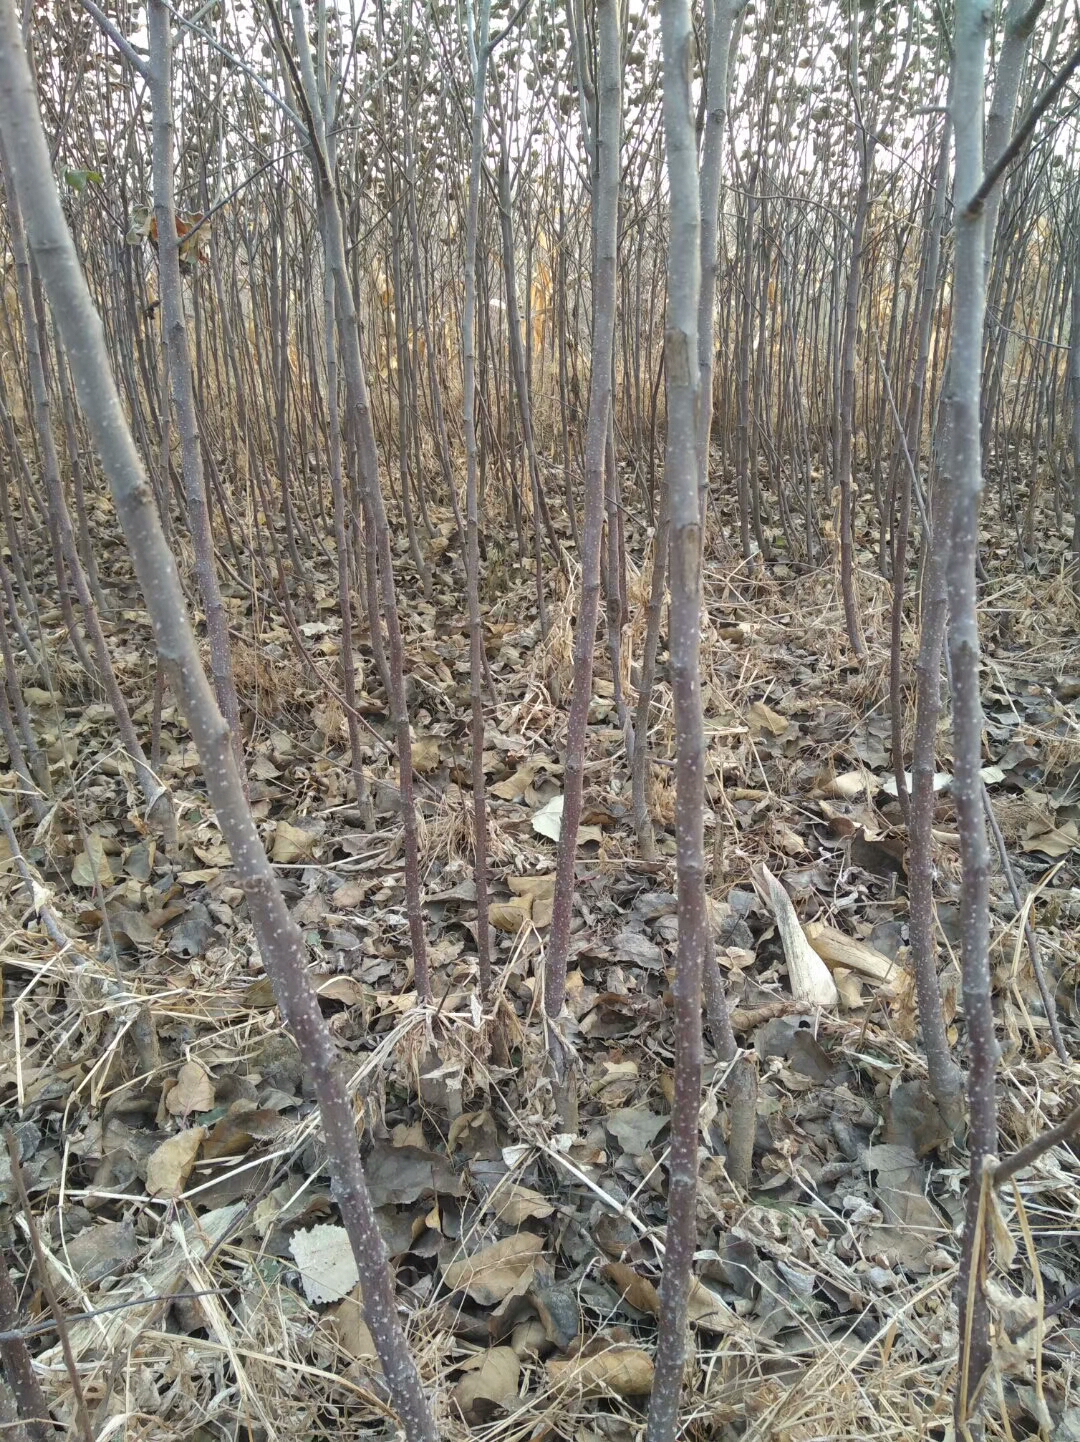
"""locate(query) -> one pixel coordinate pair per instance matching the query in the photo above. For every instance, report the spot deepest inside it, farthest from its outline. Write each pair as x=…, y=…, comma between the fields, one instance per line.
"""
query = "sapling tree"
x=944, y=1075
x=966, y=482
x=158, y=800
x=1074, y=387
x=158, y=72
x=722, y=15
x=361, y=425
x=605, y=230
x=682, y=474
x=479, y=55
x=279, y=938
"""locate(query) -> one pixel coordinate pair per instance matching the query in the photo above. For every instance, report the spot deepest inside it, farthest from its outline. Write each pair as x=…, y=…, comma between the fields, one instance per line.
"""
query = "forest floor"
x=185, y=1211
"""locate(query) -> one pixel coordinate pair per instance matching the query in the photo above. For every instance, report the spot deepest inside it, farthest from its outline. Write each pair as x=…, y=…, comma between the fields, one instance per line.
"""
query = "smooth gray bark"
x=682, y=471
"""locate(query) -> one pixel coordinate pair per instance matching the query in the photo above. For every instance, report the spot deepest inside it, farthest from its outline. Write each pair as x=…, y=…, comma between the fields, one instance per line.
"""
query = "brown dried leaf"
x=705, y=1309
x=538, y=887
x=848, y=786
x=490, y=1274
x=291, y=843
x=765, y=722
x=490, y=1386
x=632, y=1287
x=1050, y=840
x=425, y=755
x=243, y=1125
x=627, y=1371
x=399, y=1176
x=510, y=916
x=345, y=989
x=634, y=1128
x=168, y=1168
x=92, y=866
x=516, y=1204
x=193, y=1092
x=101, y=1251
x=913, y=1226
x=259, y=996
x=345, y=1322
x=515, y=787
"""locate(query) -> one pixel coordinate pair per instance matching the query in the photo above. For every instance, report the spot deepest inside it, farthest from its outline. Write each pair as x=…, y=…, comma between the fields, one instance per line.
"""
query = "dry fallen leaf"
x=540, y=890
x=849, y=785
x=243, y=1124
x=345, y=989
x=538, y=887
x=326, y=1263
x=516, y=1204
x=425, y=755
x=291, y=843
x=627, y=1371
x=559, y=1311
x=837, y=949
x=193, y=1092
x=633, y=1288
x=92, y=866
x=548, y=820
x=345, y=1322
x=168, y=1168
x=510, y=916
x=515, y=787
x=491, y=1273
x=913, y=1226
x=489, y=1385
x=1052, y=841
x=765, y=722
x=706, y=1309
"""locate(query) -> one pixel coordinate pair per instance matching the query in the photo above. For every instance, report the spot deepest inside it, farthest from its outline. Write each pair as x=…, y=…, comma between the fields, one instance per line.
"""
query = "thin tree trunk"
x=174, y=326
x=683, y=472
x=363, y=428
x=158, y=801
x=845, y=438
x=643, y=825
x=910, y=439
x=606, y=209
x=1074, y=387
x=479, y=54
x=723, y=15
x=341, y=537
x=969, y=299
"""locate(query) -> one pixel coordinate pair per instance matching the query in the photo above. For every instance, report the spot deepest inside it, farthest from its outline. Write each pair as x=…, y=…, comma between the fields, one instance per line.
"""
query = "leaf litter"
x=172, y=1153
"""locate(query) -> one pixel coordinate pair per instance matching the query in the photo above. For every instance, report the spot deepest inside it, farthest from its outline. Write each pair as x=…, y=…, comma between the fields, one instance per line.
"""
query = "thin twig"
x=19, y=1365
x=1034, y=1149
x=45, y=1278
